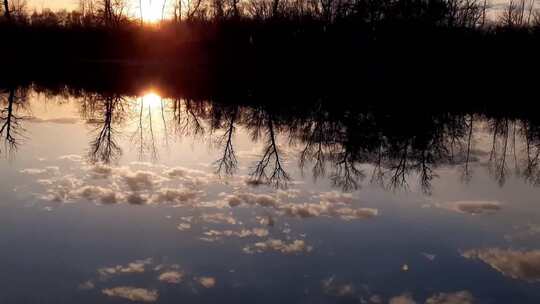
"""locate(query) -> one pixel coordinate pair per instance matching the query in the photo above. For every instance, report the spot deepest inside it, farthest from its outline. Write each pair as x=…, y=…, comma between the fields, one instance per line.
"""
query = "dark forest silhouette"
x=372, y=40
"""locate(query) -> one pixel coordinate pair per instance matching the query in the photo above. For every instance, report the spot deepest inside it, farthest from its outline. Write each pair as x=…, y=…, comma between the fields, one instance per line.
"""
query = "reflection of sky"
x=160, y=229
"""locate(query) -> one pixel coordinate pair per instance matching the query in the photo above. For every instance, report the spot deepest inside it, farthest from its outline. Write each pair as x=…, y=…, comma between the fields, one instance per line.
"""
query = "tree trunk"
x=141, y=10
x=275, y=7
x=7, y=13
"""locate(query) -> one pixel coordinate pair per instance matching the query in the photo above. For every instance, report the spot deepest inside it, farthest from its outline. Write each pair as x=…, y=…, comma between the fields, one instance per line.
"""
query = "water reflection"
x=206, y=199
x=13, y=106
x=396, y=146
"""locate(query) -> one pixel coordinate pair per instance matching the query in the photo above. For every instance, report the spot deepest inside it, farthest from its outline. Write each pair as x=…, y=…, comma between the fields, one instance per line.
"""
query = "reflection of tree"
x=499, y=149
x=148, y=131
x=467, y=174
x=104, y=112
x=531, y=170
x=227, y=163
x=269, y=169
x=317, y=136
x=187, y=116
x=346, y=173
x=11, y=129
x=400, y=148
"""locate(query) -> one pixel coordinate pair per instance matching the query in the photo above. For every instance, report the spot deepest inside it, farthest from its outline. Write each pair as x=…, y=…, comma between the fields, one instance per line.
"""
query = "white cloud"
x=331, y=287
x=295, y=247
x=143, y=164
x=263, y=200
x=132, y=293
x=177, y=172
x=306, y=210
x=87, y=285
x=255, y=232
x=472, y=207
x=288, y=194
x=165, y=195
x=182, y=172
x=50, y=170
x=207, y=282
x=71, y=157
x=429, y=256
x=336, y=197
x=355, y=214
x=171, y=277
x=523, y=233
x=402, y=299
x=335, y=204
x=375, y=299
x=45, y=182
x=100, y=170
x=183, y=226
x=517, y=264
x=123, y=185
x=96, y=193
x=460, y=297
x=218, y=218
x=136, y=199
x=140, y=180
x=61, y=188
x=59, y=120
x=267, y=220
x=138, y=266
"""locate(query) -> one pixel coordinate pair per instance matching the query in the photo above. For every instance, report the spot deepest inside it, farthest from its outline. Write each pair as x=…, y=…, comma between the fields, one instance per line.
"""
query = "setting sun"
x=151, y=100
x=152, y=10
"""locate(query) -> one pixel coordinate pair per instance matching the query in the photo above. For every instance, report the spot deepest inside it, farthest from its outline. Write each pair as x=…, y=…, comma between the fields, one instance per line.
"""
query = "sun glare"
x=151, y=100
x=152, y=10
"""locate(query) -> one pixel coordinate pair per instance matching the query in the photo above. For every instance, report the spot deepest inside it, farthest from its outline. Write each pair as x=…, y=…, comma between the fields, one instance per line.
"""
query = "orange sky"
x=152, y=8
x=53, y=4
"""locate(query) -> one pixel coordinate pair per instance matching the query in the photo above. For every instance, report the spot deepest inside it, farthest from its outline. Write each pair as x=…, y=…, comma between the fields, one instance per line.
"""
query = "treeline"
x=477, y=14
x=429, y=47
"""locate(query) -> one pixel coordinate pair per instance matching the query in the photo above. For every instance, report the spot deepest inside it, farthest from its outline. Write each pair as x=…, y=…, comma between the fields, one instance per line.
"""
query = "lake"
x=109, y=197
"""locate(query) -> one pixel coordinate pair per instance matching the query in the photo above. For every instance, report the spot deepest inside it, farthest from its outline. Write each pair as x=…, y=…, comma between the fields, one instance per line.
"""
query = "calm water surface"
x=121, y=199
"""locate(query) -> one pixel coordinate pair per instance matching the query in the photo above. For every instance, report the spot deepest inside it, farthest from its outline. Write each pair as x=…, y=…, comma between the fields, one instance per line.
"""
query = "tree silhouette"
x=11, y=129
x=227, y=163
x=269, y=169
x=7, y=12
x=104, y=113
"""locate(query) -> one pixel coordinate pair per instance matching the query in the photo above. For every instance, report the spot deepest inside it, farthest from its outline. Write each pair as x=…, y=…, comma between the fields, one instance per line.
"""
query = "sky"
x=73, y=4
x=152, y=8
x=155, y=5
x=53, y=4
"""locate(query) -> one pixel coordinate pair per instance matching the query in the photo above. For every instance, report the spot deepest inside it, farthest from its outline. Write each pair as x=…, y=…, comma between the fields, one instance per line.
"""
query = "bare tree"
x=467, y=174
x=11, y=129
x=104, y=113
x=7, y=12
x=186, y=117
x=228, y=162
x=269, y=169
x=275, y=8
x=177, y=11
x=192, y=9
x=346, y=174
x=514, y=13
